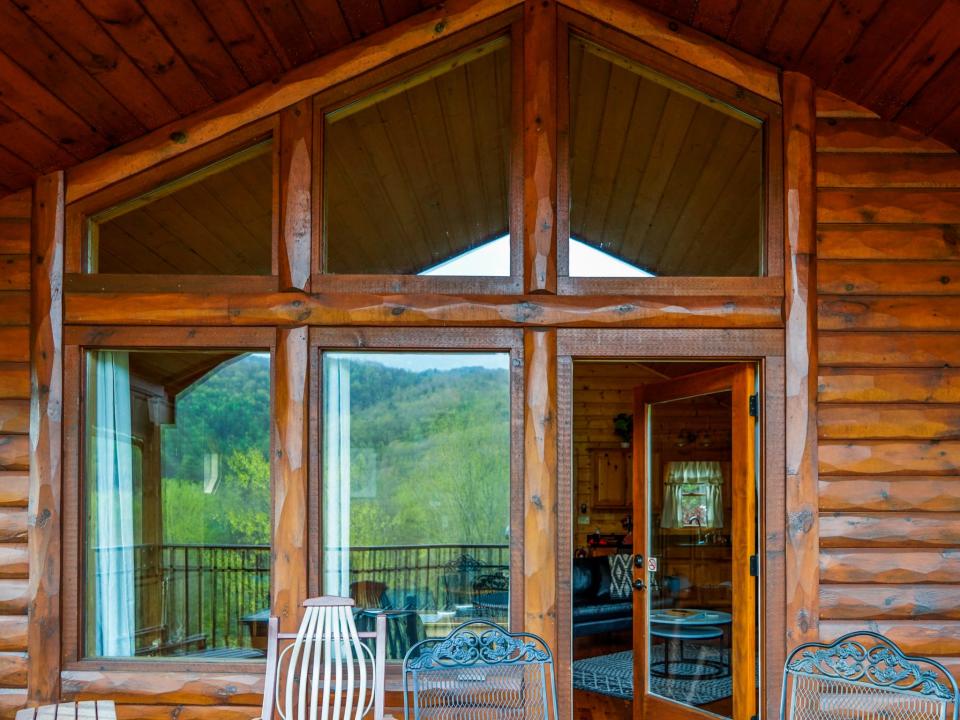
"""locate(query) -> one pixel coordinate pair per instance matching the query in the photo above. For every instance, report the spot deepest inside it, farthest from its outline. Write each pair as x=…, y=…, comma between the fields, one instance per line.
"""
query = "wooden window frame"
x=770, y=280
x=79, y=340
x=438, y=340
x=765, y=347
x=509, y=25
x=165, y=174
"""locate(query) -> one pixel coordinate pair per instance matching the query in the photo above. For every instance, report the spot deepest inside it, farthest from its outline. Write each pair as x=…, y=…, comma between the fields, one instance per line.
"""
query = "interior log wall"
x=889, y=384
x=14, y=450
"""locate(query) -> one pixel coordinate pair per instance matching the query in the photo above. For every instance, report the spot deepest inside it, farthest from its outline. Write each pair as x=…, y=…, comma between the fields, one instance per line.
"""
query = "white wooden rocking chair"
x=325, y=669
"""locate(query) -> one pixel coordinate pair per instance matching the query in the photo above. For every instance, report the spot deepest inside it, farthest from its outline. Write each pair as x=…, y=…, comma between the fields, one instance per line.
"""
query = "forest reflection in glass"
x=416, y=488
x=177, y=504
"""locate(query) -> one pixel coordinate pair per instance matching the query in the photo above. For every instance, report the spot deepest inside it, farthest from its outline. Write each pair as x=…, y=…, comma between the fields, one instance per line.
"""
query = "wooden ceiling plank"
x=175, y=139
x=396, y=10
x=189, y=32
x=841, y=28
x=81, y=36
x=881, y=41
x=616, y=114
x=647, y=245
x=460, y=122
x=19, y=136
x=59, y=73
x=14, y=171
x=589, y=78
x=678, y=115
x=792, y=31
x=133, y=30
x=640, y=138
x=46, y=112
x=242, y=37
x=752, y=25
x=283, y=25
x=715, y=17
x=488, y=93
x=364, y=17
x=680, y=256
x=924, y=53
x=325, y=23
x=160, y=240
x=930, y=106
x=396, y=192
x=188, y=220
x=132, y=250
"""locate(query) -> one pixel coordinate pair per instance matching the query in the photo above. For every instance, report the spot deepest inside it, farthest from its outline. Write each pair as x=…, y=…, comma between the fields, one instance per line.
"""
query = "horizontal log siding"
x=888, y=235
x=14, y=450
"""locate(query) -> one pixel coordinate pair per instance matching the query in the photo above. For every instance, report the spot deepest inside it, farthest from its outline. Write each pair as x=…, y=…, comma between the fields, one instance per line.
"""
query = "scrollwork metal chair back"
x=480, y=671
x=864, y=675
x=326, y=669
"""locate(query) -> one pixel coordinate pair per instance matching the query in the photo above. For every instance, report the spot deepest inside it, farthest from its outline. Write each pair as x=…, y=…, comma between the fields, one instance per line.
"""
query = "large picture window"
x=177, y=490
x=416, y=488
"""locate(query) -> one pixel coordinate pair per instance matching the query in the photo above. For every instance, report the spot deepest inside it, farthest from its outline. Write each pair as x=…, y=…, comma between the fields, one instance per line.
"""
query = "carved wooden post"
x=540, y=484
x=46, y=413
x=540, y=145
x=296, y=198
x=802, y=532
x=290, y=451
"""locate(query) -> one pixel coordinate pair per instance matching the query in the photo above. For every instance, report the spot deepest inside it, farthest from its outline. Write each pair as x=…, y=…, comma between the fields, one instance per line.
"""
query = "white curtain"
x=693, y=495
x=336, y=475
x=110, y=477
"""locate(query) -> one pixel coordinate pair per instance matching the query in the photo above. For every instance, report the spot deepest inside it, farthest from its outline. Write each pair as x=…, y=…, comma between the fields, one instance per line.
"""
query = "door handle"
x=639, y=585
x=638, y=560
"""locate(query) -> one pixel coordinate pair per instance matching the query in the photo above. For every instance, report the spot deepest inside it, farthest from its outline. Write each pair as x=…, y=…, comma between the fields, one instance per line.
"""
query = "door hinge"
x=754, y=406
x=754, y=566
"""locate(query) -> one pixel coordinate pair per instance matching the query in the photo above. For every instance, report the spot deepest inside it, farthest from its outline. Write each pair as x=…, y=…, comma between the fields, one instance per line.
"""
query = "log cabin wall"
x=888, y=230
x=14, y=450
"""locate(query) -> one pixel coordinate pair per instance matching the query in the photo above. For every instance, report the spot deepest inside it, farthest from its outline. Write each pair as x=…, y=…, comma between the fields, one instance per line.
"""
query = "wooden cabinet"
x=612, y=478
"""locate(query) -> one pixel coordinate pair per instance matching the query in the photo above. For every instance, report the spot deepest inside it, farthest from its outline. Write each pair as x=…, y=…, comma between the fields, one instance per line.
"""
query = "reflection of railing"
x=194, y=597
x=415, y=574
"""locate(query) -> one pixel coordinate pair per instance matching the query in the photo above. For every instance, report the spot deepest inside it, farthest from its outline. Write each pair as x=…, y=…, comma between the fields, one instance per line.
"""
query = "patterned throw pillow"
x=621, y=577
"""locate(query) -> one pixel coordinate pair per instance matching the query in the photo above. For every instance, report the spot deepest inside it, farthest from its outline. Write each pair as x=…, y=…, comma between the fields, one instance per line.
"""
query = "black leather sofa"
x=594, y=611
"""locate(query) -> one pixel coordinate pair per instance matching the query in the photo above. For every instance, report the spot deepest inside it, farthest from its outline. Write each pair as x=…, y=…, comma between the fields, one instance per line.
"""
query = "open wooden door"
x=695, y=536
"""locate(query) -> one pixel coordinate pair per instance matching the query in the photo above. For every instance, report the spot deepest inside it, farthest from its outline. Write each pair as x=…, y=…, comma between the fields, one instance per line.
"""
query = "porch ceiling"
x=78, y=77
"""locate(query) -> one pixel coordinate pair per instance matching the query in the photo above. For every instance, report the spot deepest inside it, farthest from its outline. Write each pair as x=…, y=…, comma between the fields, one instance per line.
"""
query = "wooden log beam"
x=882, y=565
x=893, y=457
x=878, y=349
x=889, y=205
x=164, y=687
x=46, y=415
x=889, y=242
x=889, y=422
x=290, y=450
x=889, y=278
x=906, y=494
x=685, y=43
x=540, y=485
x=540, y=145
x=890, y=313
x=799, y=121
x=357, y=58
x=367, y=309
x=889, y=602
x=894, y=530
x=890, y=385
x=930, y=638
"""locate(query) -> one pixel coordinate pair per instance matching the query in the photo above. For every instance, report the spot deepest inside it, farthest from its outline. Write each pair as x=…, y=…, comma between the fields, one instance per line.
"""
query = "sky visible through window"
x=493, y=259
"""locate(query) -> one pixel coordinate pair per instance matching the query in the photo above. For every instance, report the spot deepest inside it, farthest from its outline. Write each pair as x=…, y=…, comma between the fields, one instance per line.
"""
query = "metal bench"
x=863, y=675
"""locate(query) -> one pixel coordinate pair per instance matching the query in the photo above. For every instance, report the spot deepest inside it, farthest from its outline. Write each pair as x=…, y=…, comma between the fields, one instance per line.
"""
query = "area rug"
x=613, y=675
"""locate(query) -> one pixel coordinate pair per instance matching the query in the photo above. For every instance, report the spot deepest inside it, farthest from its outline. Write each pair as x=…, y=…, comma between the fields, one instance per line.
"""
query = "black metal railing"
x=196, y=598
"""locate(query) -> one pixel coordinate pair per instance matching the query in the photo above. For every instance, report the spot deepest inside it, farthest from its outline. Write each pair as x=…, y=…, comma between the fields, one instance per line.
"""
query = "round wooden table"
x=676, y=627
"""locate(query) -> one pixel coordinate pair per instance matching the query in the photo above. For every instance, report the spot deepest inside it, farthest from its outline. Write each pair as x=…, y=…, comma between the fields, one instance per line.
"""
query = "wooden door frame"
x=763, y=346
x=740, y=379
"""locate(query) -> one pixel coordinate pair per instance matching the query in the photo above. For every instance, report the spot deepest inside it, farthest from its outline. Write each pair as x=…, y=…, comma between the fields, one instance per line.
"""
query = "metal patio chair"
x=480, y=671
x=863, y=675
x=325, y=669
